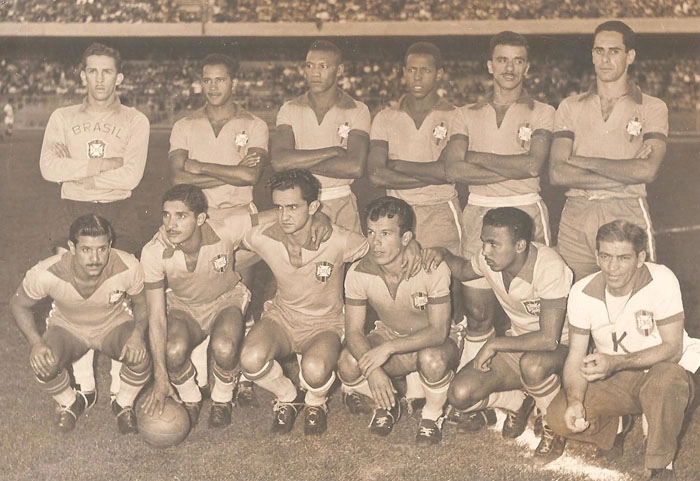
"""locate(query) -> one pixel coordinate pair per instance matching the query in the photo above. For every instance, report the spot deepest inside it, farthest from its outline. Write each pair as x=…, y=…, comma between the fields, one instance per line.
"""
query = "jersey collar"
x=527, y=271
x=63, y=269
x=345, y=101
x=209, y=237
x=596, y=288
x=114, y=106
x=633, y=92
x=441, y=104
x=524, y=98
x=238, y=113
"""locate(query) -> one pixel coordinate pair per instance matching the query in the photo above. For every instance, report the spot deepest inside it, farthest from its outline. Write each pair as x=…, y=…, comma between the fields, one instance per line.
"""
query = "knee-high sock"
x=509, y=400
x=59, y=388
x=316, y=396
x=114, y=373
x=132, y=381
x=84, y=372
x=472, y=345
x=544, y=392
x=435, y=396
x=222, y=391
x=185, y=384
x=271, y=378
x=200, y=361
x=414, y=386
x=359, y=386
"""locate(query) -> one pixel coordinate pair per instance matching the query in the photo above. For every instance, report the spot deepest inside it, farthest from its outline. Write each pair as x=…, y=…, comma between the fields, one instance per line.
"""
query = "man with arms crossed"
x=327, y=132
x=632, y=309
x=608, y=143
x=412, y=334
x=531, y=282
x=91, y=287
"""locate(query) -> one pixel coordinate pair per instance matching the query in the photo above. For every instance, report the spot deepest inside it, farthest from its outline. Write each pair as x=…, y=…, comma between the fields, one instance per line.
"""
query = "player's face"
x=90, y=254
x=499, y=248
x=180, y=222
x=610, y=58
x=217, y=84
x=421, y=74
x=293, y=212
x=101, y=77
x=619, y=263
x=509, y=66
x=386, y=243
x=322, y=70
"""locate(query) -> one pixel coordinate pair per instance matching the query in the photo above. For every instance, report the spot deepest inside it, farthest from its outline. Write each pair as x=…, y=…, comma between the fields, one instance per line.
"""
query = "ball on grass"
x=166, y=429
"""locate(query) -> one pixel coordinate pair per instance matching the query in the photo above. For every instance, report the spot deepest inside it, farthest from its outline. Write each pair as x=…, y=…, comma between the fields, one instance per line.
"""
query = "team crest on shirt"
x=343, y=132
x=524, y=134
x=219, y=263
x=645, y=321
x=532, y=306
x=241, y=139
x=634, y=128
x=323, y=270
x=420, y=300
x=115, y=297
x=439, y=132
x=96, y=149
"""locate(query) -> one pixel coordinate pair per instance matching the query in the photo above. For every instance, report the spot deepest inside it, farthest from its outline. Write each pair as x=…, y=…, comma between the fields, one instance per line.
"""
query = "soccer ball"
x=167, y=429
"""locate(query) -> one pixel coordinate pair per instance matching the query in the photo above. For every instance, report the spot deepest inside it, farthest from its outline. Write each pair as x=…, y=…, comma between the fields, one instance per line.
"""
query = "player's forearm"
x=664, y=352
x=199, y=180
x=565, y=174
x=623, y=171
x=157, y=337
x=461, y=268
x=286, y=159
x=471, y=174
x=65, y=169
x=129, y=175
x=382, y=177
x=24, y=318
x=431, y=336
x=573, y=382
x=429, y=172
x=357, y=344
x=236, y=175
x=340, y=167
x=537, y=341
x=523, y=166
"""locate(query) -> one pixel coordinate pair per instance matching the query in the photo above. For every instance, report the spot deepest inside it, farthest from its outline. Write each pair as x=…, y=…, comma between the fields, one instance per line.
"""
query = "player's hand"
x=155, y=401
x=432, y=257
x=193, y=166
x=575, y=417
x=60, y=150
x=374, y=358
x=483, y=358
x=597, y=366
x=134, y=350
x=321, y=230
x=383, y=391
x=111, y=163
x=251, y=159
x=41, y=359
x=411, y=260
x=644, y=151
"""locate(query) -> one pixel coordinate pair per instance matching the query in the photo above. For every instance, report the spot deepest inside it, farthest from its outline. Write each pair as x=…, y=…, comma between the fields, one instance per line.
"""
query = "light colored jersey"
x=634, y=118
x=407, y=308
x=405, y=141
x=90, y=136
x=347, y=115
x=214, y=273
x=241, y=132
x=542, y=283
x=315, y=289
x=523, y=120
x=107, y=307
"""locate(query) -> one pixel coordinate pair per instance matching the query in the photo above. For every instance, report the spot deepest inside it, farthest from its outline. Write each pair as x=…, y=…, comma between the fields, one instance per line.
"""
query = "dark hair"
x=190, y=195
x=326, y=46
x=425, y=48
x=509, y=38
x=391, y=207
x=628, y=36
x=220, y=59
x=622, y=231
x=302, y=178
x=517, y=221
x=102, y=49
x=90, y=225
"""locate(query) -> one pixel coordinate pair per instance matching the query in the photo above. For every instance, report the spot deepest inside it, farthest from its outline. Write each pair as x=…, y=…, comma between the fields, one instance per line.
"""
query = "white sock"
x=509, y=400
x=435, y=397
x=84, y=373
x=361, y=387
x=221, y=392
x=200, y=361
x=275, y=381
x=188, y=391
x=116, y=381
x=127, y=394
x=472, y=345
x=65, y=398
x=316, y=396
x=414, y=386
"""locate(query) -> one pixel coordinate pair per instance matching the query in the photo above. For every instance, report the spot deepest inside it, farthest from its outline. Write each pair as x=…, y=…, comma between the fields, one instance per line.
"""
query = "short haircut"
x=230, y=63
x=628, y=36
x=518, y=222
x=509, y=38
x=302, y=178
x=90, y=225
x=391, y=207
x=622, y=231
x=190, y=195
x=102, y=49
x=326, y=46
x=425, y=48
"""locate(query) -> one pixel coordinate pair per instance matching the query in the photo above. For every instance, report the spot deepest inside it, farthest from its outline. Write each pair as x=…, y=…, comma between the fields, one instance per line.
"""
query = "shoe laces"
x=354, y=399
x=312, y=415
x=427, y=431
x=382, y=421
x=510, y=419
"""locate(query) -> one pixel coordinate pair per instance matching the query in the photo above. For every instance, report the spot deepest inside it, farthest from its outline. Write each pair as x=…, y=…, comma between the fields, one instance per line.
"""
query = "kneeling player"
x=306, y=315
x=531, y=282
x=413, y=332
x=91, y=286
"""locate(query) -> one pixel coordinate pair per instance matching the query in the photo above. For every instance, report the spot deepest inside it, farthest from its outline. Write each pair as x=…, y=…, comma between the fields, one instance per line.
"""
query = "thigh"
x=269, y=340
x=504, y=374
x=472, y=220
x=183, y=328
x=324, y=347
x=65, y=347
x=397, y=364
x=113, y=342
x=614, y=396
x=228, y=323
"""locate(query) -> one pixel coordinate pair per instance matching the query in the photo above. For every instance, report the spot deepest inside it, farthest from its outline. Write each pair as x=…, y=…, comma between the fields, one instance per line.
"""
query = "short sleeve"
x=655, y=119
x=379, y=130
x=152, y=265
x=459, y=123
x=439, y=284
x=136, y=280
x=36, y=283
x=553, y=277
x=476, y=261
x=259, y=135
x=355, y=288
x=668, y=305
x=577, y=310
x=178, y=137
x=362, y=119
x=284, y=116
x=543, y=118
x=564, y=119
x=356, y=246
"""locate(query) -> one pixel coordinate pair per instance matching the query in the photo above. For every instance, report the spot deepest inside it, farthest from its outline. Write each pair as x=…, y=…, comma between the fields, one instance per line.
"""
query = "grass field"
x=32, y=449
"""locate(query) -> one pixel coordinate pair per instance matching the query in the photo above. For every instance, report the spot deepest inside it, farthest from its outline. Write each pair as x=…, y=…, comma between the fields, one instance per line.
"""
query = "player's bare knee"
x=177, y=353
x=532, y=370
x=348, y=370
x=462, y=393
x=224, y=350
x=479, y=320
x=432, y=364
x=141, y=366
x=316, y=371
x=253, y=358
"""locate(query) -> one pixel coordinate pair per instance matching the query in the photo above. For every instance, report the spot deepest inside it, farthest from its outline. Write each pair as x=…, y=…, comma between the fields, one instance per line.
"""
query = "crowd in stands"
x=173, y=86
x=333, y=10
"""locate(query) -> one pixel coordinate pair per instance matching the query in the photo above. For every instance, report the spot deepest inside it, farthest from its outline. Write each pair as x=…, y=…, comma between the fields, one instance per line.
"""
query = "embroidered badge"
x=532, y=306
x=343, y=132
x=219, y=263
x=96, y=149
x=241, y=139
x=634, y=128
x=439, y=133
x=323, y=270
x=116, y=297
x=420, y=300
x=524, y=134
x=645, y=321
